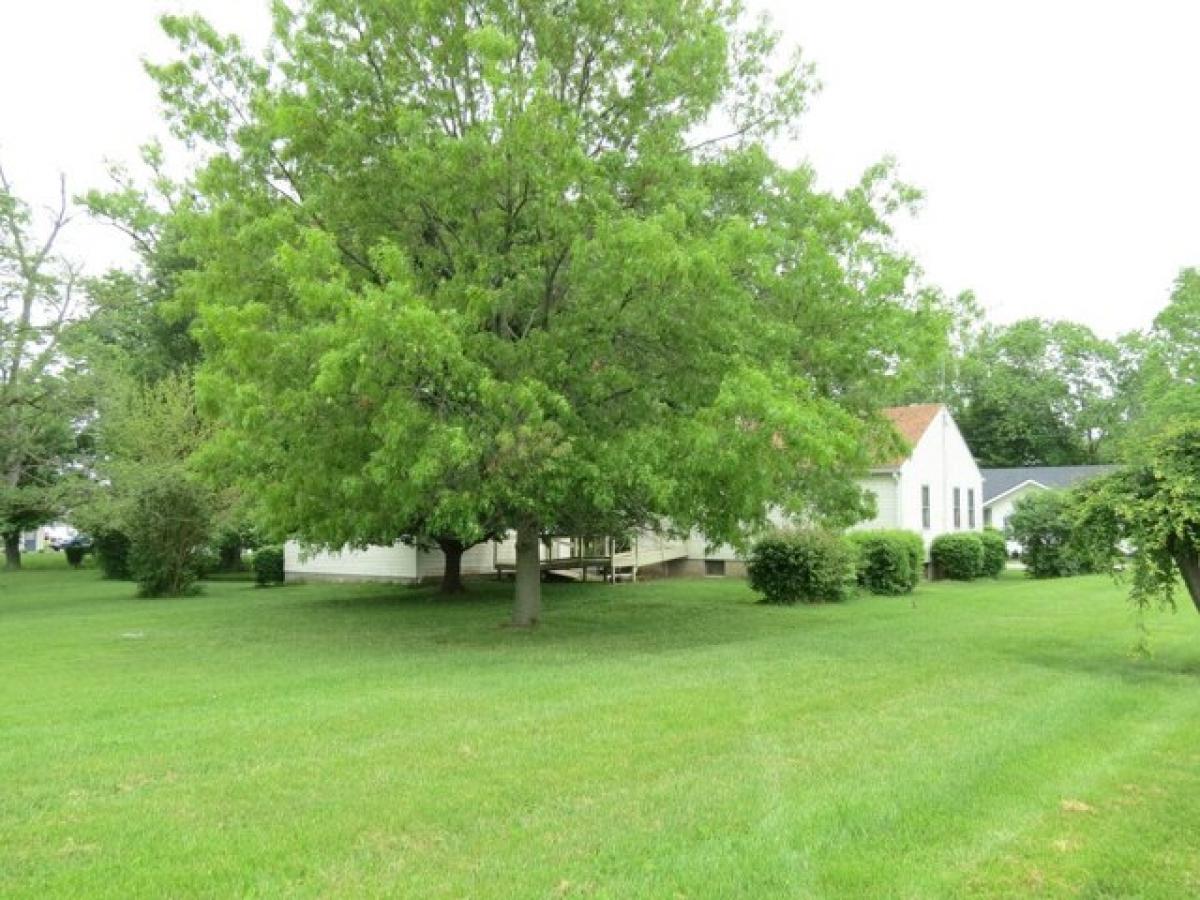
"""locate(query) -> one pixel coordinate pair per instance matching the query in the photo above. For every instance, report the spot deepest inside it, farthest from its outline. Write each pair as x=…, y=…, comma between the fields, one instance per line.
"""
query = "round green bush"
x=807, y=566
x=995, y=553
x=268, y=565
x=889, y=562
x=1044, y=526
x=958, y=556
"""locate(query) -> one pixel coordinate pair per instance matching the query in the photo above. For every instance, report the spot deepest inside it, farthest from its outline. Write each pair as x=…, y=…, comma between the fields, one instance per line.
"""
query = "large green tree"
x=526, y=264
x=1038, y=392
x=40, y=400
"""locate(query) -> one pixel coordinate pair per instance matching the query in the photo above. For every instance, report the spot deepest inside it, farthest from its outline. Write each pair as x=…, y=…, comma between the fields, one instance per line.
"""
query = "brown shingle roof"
x=911, y=422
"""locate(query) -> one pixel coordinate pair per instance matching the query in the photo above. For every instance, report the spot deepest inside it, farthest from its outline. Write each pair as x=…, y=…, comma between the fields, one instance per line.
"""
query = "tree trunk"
x=452, y=549
x=1188, y=560
x=12, y=550
x=528, y=604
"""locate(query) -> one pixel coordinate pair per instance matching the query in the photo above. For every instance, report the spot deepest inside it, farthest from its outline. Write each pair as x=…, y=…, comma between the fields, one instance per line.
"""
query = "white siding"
x=1002, y=508
x=697, y=548
x=941, y=460
x=478, y=560
x=397, y=562
x=887, y=501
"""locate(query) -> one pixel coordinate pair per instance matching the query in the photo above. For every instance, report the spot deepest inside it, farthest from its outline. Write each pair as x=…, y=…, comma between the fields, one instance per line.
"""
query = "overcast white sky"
x=1058, y=143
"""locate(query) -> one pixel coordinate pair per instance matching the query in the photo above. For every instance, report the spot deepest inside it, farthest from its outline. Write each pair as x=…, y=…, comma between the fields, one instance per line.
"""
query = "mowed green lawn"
x=670, y=739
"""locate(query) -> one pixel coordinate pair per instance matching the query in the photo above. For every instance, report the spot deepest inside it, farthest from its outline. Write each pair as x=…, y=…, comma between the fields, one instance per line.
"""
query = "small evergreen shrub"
x=75, y=553
x=889, y=562
x=995, y=553
x=112, y=553
x=268, y=566
x=958, y=556
x=807, y=566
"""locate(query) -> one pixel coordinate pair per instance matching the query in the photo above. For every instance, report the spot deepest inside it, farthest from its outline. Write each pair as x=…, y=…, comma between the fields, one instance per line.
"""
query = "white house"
x=1002, y=488
x=935, y=488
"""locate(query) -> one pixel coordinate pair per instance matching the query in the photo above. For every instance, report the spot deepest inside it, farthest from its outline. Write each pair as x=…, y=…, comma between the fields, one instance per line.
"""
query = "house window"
x=987, y=517
x=970, y=507
x=926, y=511
x=714, y=567
x=957, y=508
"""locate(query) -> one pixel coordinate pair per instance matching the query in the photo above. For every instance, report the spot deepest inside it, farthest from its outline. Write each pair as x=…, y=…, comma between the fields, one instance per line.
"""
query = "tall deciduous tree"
x=39, y=403
x=492, y=265
x=1038, y=393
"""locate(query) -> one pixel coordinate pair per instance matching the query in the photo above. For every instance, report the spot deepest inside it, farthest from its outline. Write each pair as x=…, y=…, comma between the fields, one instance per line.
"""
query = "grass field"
x=670, y=739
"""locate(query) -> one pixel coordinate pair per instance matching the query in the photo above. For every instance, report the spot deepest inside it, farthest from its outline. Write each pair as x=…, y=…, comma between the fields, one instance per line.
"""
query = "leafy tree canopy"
x=1038, y=392
x=1151, y=508
x=528, y=265
x=1165, y=389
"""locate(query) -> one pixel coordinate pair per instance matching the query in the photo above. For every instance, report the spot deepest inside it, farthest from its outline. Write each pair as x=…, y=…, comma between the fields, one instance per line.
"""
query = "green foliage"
x=169, y=529
x=958, y=556
x=268, y=566
x=234, y=537
x=1153, y=509
x=1165, y=385
x=995, y=553
x=1043, y=523
x=488, y=251
x=1037, y=392
x=808, y=566
x=136, y=324
x=42, y=395
x=146, y=438
x=889, y=562
x=112, y=553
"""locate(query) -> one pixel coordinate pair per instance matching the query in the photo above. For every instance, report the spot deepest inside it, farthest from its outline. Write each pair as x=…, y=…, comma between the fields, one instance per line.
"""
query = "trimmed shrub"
x=169, y=530
x=889, y=562
x=995, y=553
x=958, y=556
x=268, y=566
x=112, y=554
x=802, y=567
x=1043, y=525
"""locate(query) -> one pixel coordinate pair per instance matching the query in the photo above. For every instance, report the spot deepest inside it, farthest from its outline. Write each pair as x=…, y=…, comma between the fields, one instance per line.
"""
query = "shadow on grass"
x=577, y=619
x=1106, y=661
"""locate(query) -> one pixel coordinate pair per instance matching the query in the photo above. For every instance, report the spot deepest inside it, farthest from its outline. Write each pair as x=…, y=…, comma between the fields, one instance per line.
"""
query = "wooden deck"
x=566, y=564
x=615, y=563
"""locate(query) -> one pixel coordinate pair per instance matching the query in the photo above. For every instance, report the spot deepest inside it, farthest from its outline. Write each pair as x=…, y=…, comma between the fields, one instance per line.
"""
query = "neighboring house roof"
x=999, y=483
x=912, y=422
